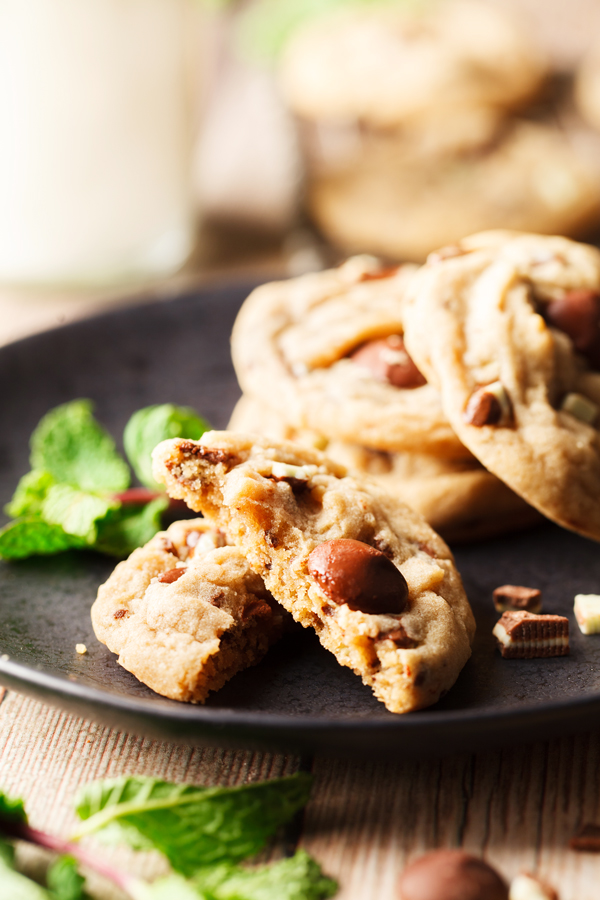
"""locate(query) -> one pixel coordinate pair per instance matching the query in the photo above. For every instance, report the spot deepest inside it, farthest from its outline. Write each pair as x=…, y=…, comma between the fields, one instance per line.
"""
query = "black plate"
x=298, y=697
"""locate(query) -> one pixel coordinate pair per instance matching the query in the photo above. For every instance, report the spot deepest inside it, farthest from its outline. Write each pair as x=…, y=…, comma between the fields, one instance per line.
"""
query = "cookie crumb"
x=81, y=649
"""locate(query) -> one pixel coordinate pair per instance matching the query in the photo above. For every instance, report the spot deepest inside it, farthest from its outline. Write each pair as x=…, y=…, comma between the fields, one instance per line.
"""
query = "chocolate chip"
x=119, y=613
x=578, y=315
x=214, y=456
x=515, y=597
x=387, y=360
x=488, y=405
x=451, y=875
x=172, y=575
x=356, y=574
x=168, y=546
x=400, y=638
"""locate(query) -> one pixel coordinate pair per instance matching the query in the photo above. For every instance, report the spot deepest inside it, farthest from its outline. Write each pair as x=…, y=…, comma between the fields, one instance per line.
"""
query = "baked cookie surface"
x=325, y=350
x=403, y=204
x=185, y=613
x=459, y=498
x=515, y=353
x=389, y=65
x=409, y=634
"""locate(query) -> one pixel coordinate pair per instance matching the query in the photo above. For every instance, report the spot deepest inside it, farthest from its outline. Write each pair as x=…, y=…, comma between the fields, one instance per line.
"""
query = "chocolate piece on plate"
x=587, y=612
x=527, y=887
x=521, y=635
x=516, y=597
x=451, y=875
x=587, y=839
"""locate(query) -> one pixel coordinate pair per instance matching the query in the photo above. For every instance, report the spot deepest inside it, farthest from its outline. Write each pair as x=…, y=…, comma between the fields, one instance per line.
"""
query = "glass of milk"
x=95, y=140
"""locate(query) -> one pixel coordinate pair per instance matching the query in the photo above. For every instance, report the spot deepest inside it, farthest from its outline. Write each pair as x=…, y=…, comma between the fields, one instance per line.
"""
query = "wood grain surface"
x=516, y=807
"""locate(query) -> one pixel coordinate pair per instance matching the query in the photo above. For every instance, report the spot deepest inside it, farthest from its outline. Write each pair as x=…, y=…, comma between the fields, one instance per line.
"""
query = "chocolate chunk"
x=212, y=455
x=356, y=574
x=522, y=635
x=451, y=875
x=172, y=575
x=119, y=613
x=515, y=597
x=578, y=315
x=400, y=638
x=488, y=405
x=168, y=546
x=587, y=839
x=387, y=360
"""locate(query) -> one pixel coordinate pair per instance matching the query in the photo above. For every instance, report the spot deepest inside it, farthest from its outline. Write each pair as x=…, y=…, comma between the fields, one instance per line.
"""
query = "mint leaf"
x=193, y=826
x=77, y=512
x=12, y=808
x=70, y=445
x=297, y=878
x=34, y=537
x=29, y=495
x=64, y=881
x=149, y=426
x=128, y=527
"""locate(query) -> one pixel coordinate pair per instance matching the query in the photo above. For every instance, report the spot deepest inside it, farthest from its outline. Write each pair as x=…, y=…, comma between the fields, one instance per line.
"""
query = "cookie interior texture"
x=488, y=297
x=278, y=502
x=291, y=344
x=186, y=636
x=460, y=499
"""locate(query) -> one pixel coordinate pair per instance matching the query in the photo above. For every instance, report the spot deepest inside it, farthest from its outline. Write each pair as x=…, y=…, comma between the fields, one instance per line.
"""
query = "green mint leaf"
x=128, y=527
x=193, y=826
x=12, y=808
x=34, y=537
x=297, y=878
x=70, y=445
x=15, y=886
x=30, y=494
x=64, y=881
x=77, y=512
x=149, y=426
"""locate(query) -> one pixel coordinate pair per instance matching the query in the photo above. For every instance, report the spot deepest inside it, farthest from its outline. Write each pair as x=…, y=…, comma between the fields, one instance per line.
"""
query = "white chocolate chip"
x=587, y=612
x=81, y=649
x=300, y=473
x=581, y=408
x=210, y=540
x=526, y=887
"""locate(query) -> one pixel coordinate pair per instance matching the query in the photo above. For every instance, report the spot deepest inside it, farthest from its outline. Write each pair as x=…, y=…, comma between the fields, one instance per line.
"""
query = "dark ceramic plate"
x=298, y=698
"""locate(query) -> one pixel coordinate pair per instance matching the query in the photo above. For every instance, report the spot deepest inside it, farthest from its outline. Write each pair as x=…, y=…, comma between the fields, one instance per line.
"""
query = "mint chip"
x=70, y=445
x=149, y=426
x=34, y=537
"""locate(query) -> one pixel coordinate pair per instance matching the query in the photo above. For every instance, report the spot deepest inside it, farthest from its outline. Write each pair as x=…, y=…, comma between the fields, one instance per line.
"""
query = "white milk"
x=94, y=140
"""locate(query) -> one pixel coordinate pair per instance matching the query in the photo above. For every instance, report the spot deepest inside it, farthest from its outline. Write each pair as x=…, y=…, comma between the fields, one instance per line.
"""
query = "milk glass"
x=95, y=140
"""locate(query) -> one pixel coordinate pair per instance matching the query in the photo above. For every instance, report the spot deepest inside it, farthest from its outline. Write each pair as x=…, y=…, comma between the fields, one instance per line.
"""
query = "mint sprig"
x=213, y=816
x=76, y=494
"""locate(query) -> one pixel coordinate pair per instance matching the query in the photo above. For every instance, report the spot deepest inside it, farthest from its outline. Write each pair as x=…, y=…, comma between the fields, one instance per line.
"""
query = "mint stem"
x=21, y=831
x=141, y=496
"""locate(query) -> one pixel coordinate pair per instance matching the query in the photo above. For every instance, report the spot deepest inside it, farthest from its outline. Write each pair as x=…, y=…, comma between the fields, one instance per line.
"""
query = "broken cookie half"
x=186, y=612
x=376, y=583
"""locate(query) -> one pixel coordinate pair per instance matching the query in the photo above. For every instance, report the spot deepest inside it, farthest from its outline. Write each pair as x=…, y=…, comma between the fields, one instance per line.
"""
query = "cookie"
x=375, y=582
x=401, y=204
x=587, y=87
x=185, y=613
x=515, y=353
x=389, y=65
x=458, y=498
x=325, y=350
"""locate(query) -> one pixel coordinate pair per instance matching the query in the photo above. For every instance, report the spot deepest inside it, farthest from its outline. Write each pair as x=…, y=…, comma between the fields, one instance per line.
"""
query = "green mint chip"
x=70, y=445
x=77, y=512
x=30, y=494
x=128, y=527
x=34, y=537
x=149, y=426
x=193, y=826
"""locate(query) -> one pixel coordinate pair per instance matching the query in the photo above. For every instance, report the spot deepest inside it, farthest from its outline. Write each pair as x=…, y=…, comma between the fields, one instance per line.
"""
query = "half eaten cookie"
x=186, y=612
x=377, y=584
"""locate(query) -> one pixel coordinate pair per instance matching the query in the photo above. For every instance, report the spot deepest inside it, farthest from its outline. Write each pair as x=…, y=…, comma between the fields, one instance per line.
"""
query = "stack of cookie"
x=425, y=122
x=322, y=361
